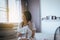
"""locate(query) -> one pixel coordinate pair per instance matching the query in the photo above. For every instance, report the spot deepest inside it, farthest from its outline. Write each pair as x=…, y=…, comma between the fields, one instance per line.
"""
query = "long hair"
x=28, y=18
x=27, y=15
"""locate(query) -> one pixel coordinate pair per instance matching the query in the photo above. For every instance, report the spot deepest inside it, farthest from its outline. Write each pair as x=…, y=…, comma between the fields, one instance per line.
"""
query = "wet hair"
x=27, y=15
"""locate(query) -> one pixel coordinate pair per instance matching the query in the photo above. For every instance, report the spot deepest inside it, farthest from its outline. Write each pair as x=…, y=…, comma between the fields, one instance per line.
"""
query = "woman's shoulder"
x=33, y=26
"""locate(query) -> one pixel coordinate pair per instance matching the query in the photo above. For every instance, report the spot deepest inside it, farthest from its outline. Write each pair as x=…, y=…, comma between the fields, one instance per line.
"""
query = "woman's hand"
x=19, y=35
x=24, y=39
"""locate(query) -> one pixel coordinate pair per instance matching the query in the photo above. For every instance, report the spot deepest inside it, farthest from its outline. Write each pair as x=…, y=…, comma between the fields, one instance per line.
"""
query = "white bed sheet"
x=42, y=36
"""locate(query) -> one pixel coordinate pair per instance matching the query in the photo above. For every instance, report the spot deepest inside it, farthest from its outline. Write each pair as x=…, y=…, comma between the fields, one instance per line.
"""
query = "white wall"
x=50, y=8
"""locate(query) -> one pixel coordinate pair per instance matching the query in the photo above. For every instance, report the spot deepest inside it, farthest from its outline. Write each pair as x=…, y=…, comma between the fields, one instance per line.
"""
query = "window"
x=3, y=11
x=14, y=14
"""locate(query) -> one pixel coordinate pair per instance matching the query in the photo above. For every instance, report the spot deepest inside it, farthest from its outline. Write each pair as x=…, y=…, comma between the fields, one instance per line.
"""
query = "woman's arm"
x=33, y=33
x=33, y=28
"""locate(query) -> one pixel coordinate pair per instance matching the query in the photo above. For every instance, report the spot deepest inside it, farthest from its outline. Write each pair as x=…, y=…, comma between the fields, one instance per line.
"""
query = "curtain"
x=3, y=11
x=15, y=11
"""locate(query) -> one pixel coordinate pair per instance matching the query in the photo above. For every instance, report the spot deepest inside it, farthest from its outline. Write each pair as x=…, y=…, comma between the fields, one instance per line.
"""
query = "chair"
x=57, y=34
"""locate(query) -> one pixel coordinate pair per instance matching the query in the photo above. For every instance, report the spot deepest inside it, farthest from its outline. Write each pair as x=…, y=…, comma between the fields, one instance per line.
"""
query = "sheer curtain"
x=15, y=13
x=3, y=11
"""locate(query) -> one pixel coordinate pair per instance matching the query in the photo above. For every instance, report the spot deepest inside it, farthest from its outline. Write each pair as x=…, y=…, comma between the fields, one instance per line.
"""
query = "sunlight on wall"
x=15, y=11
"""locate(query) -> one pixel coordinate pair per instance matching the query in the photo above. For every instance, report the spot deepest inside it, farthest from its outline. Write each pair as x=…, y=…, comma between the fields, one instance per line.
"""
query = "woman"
x=27, y=26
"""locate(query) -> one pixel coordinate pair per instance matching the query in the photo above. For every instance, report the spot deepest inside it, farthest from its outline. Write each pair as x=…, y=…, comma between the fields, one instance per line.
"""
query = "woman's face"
x=24, y=17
